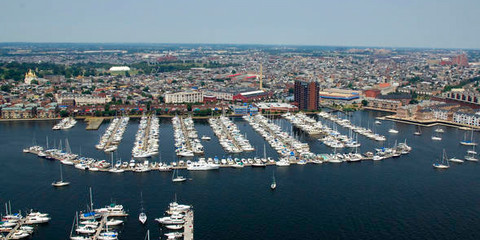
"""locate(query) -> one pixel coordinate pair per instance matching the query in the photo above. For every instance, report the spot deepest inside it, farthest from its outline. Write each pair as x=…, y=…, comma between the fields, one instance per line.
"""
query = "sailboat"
x=60, y=183
x=418, y=132
x=148, y=235
x=274, y=184
x=468, y=142
x=436, y=137
x=393, y=130
x=471, y=155
x=444, y=164
x=142, y=217
x=176, y=177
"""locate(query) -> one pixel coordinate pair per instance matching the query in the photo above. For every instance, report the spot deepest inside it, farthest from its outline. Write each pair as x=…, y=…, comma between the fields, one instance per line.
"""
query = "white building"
x=467, y=118
x=440, y=114
x=81, y=99
x=119, y=69
x=184, y=97
x=227, y=96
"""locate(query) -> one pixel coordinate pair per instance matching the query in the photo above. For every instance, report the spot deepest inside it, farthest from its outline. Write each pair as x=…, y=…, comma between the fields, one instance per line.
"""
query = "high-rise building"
x=307, y=95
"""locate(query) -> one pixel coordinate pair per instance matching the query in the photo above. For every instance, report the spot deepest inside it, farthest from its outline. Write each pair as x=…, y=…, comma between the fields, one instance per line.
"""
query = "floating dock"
x=94, y=123
x=188, y=226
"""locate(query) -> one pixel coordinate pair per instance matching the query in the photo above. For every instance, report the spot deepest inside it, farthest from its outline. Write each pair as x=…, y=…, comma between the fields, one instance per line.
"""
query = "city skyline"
x=409, y=24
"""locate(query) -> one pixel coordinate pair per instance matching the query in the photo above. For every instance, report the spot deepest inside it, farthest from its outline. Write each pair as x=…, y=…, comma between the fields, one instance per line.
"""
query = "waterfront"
x=394, y=198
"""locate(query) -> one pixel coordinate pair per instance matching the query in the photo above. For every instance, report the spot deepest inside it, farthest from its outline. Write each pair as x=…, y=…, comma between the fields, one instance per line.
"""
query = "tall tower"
x=261, y=77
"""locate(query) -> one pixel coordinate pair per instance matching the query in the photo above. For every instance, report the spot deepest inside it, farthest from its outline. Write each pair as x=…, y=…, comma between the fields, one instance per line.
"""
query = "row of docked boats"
x=95, y=223
x=331, y=137
x=229, y=136
x=178, y=221
x=113, y=135
x=146, y=139
x=444, y=161
x=65, y=123
x=285, y=144
x=17, y=226
x=357, y=129
x=187, y=143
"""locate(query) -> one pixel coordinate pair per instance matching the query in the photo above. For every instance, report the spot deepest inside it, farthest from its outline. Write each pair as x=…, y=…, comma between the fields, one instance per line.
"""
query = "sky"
x=371, y=23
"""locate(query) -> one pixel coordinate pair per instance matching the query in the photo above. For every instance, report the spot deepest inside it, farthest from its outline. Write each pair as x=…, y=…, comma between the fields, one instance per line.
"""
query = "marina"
x=186, y=137
x=229, y=136
x=65, y=123
x=113, y=135
x=246, y=180
x=16, y=226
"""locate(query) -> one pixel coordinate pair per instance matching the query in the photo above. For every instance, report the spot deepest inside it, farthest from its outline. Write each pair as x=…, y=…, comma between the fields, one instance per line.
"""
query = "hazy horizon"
x=373, y=23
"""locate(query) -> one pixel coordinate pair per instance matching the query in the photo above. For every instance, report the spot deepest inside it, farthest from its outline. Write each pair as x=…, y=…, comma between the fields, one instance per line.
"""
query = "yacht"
x=444, y=163
x=142, y=217
x=177, y=178
x=436, y=138
x=60, y=183
x=274, y=184
x=392, y=130
x=468, y=142
x=456, y=160
x=206, y=138
x=439, y=130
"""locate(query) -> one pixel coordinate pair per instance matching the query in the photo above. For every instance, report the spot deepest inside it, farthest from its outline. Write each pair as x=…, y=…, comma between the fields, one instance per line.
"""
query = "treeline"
x=16, y=70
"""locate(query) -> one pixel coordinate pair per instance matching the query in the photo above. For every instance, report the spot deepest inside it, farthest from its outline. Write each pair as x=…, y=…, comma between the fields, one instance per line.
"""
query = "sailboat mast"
x=61, y=174
x=91, y=201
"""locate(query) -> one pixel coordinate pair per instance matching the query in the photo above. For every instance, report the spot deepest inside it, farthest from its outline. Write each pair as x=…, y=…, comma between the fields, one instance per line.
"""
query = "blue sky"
x=389, y=23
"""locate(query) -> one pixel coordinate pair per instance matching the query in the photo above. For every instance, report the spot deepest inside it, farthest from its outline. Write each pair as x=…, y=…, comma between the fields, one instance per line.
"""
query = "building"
x=404, y=98
x=80, y=99
x=339, y=94
x=251, y=96
x=184, y=97
x=29, y=77
x=461, y=95
x=371, y=93
x=306, y=95
x=226, y=96
x=244, y=110
x=119, y=69
x=383, y=104
x=467, y=118
x=276, y=107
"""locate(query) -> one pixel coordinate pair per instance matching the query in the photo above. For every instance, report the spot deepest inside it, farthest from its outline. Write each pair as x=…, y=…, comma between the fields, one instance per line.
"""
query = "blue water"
x=402, y=198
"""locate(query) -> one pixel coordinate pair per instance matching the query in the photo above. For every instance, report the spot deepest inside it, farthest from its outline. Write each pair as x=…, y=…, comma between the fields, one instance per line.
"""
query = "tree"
x=49, y=95
x=189, y=107
x=127, y=74
x=63, y=113
x=35, y=82
x=364, y=102
x=5, y=88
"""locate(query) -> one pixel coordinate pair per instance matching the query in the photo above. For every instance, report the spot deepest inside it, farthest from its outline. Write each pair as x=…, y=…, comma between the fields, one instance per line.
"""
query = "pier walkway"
x=188, y=226
x=94, y=123
x=19, y=224
x=102, y=224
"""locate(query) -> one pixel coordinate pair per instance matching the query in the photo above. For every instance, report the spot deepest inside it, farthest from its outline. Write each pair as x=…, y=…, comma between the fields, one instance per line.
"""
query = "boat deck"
x=19, y=224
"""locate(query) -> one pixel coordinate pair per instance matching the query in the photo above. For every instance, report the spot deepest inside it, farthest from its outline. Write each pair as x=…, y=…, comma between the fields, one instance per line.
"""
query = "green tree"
x=127, y=74
x=6, y=88
x=64, y=113
x=364, y=102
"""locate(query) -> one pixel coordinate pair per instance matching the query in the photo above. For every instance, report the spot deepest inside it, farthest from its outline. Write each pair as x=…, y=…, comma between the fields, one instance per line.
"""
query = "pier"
x=94, y=123
x=15, y=229
x=188, y=226
x=101, y=226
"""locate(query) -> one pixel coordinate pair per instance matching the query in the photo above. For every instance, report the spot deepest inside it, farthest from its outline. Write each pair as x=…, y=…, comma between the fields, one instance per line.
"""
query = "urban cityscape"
x=359, y=121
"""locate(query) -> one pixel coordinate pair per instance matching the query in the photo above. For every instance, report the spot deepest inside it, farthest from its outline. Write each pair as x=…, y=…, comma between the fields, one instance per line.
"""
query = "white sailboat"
x=176, y=177
x=471, y=155
x=444, y=163
x=468, y=142
x=142, y=217
x=393, y=130
x=60, y=183
x=418, y=132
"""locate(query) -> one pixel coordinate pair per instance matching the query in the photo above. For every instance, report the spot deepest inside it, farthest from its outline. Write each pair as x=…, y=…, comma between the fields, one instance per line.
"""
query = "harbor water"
x=397, y=198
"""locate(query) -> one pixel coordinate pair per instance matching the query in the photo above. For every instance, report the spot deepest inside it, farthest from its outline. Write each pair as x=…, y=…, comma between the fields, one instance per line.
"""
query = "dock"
x=101, y=226
x=94, y=123
x=19, y=224
x=188, y=226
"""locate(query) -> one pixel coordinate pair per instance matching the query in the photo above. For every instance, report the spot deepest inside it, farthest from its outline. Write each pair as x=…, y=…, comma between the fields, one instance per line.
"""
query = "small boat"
x=444, y=163
x=60, y=183
x=392, y=130
x=174, y=227
x=206, y=138
x=468, y=142
x=436, y=138
x=456, y=160
x=378, y=122
x=471, y=155
x=177, y=178
x=274, y=184
x=142, y=217
x=439, y=130
x=418, y=132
